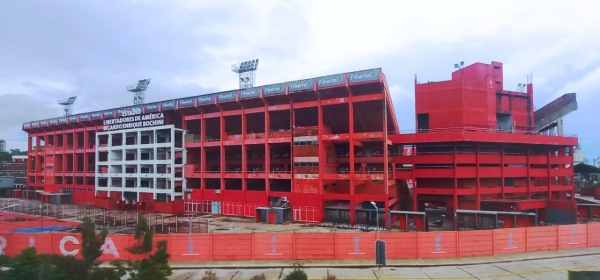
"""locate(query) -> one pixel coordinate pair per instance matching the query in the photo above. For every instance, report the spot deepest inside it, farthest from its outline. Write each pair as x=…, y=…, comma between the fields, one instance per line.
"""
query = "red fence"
x=325, y=246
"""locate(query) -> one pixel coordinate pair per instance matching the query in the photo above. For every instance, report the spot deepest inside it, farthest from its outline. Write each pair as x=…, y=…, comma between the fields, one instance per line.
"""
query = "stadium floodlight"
x=139, y=91
x=459, y=67
x=247, y=72
x=68, y=104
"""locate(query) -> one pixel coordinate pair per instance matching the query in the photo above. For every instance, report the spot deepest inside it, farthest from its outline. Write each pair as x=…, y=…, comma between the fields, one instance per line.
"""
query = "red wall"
x=326, y=246
x=470, y=99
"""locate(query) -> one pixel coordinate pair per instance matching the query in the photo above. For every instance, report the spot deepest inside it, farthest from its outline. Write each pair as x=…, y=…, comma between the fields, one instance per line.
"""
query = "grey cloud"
x=93, y=49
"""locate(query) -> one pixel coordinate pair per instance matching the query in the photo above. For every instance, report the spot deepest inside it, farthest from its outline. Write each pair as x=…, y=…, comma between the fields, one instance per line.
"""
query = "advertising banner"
x=226, y=96
x=152, y=107
x=249, y=93
x=185, y=102
x=301, y=85
x=84, y=117
x=332, y=80
x=364, y=76
x=274, y=89
x=167, y=105
x=96, y=115
x=205, y=99
x=109, y=114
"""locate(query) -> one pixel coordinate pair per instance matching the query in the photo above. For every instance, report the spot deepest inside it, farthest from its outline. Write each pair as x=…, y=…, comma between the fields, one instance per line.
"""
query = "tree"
x=155, y=266
x=24, y=266
x=66, y=267
x=28, y=265
x=143, y=237
x=91, y=242
x=5, y=157
x=17, y=152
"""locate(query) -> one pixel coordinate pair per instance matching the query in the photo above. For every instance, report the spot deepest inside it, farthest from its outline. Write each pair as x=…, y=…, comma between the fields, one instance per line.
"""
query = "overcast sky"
x=51, y=50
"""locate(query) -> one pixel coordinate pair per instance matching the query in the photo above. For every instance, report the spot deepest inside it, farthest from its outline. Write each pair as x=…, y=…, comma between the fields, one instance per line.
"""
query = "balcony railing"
x=480, y=129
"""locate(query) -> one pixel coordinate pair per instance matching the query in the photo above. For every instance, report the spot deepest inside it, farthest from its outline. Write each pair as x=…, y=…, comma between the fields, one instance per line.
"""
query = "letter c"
x=64, y=241
x=2, y=244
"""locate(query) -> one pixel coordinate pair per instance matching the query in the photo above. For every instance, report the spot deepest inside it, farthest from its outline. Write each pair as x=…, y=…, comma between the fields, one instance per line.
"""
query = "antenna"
x=247, y=72
x=139, y=91
x=68, y=104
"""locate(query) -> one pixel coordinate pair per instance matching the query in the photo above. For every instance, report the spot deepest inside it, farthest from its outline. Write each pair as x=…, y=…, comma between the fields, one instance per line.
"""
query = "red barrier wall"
x=542, y=238
x=323, y=246
x=572, y=236
x=232, y=247
x=355, y=246
x=510, y=241
x=314, y=246
x=475, y=243
x=437, y=244
x=401, y=246
x=269, y=246
x=593, y=232
x=185, y=247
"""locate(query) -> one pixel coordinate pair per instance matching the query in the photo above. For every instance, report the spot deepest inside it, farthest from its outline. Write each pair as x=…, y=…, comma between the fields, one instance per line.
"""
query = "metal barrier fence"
x=115, y=221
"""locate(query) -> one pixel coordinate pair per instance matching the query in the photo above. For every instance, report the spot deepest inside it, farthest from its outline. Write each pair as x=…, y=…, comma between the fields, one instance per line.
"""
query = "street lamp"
x=379, y=245
x=41, y=216
x=376, y=217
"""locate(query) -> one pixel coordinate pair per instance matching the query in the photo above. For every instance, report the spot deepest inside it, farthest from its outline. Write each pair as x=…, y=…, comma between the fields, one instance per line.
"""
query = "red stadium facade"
x=327, y=149
x=475, y=149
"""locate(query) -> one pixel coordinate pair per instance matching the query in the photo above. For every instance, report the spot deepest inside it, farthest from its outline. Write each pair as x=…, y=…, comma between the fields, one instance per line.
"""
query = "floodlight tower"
x=247, y=72
x=68, y=104
x=139, y=91
x=459, y=67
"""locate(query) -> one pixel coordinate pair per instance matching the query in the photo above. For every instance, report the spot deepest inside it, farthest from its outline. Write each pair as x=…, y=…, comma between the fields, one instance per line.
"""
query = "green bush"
x=297, y=274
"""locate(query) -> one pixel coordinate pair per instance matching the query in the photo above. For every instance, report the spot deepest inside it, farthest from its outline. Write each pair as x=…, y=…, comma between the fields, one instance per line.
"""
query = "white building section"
x=141, y=160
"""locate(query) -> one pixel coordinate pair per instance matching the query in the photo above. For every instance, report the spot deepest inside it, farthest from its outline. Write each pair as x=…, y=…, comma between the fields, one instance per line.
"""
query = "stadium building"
x=325, y=150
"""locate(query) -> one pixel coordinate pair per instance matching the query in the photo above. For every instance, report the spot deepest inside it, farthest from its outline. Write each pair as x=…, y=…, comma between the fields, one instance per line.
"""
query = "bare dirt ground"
x=125, y=221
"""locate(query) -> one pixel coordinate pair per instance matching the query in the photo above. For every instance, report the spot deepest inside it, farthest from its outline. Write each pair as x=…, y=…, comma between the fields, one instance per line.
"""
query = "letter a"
x=109, y=247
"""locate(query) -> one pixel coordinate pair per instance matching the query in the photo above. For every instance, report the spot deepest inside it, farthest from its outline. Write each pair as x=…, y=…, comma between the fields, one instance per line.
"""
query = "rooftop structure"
x=476, y=148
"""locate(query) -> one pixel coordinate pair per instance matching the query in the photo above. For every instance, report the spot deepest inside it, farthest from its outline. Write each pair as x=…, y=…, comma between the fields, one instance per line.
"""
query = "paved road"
x=546, y=269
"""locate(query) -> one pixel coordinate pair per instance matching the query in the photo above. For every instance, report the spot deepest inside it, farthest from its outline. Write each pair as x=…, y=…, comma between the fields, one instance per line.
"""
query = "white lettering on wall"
x=147, y=120
x=109, y=247
x=2, y=244
x=64, y=241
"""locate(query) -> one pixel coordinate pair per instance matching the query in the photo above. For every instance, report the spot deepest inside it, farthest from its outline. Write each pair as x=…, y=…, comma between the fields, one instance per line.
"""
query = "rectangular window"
x=423, y=122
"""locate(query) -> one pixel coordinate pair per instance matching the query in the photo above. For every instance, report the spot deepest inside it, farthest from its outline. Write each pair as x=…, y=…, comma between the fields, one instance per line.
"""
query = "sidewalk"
x=390, y=263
